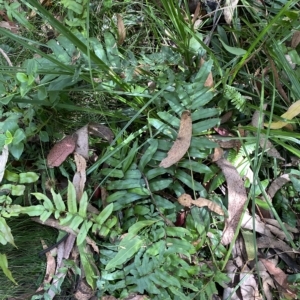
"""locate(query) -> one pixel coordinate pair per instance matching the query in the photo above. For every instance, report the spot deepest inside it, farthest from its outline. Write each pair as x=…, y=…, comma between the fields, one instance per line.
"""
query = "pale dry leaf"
x=209, y=82
x=295, y=39
x=269, y=147
x=279, y=276
x=79, y=178
x=3, y=161
x=121, y=30
x=258, y=118
x=278, y=232
x=61, y=150
x=182, y=143
x=276, y=223
x=82, y=145
x=237, y=198
x=50, y=267
x=185, y=200
x=230, y=6
x=10, y=26
x=267, y=281
x=277, y=184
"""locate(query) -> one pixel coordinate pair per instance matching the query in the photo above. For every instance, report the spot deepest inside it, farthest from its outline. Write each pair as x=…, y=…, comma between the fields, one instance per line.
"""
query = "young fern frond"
x=236, y=98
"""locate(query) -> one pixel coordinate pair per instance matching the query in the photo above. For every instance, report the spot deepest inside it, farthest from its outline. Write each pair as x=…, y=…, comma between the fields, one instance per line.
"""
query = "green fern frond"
x=236, y=98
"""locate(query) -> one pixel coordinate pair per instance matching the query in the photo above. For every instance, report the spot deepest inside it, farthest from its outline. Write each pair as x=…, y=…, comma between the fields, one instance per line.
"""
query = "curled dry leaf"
x=209, y=80
x=82, y=145
x=277, y=184
x=121, y=29
x=101, y=131
x=186, y=200
x=237, y=198
x=182, y=143
x=61, y=151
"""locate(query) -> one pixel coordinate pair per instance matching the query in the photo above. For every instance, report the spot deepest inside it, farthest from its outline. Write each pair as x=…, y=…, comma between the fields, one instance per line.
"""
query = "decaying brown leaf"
x=61, y=151
x=237, y=198
x=218, y=153
x=295, y=39
x=101, y=131
x=82, y=145
x=182, y=143
x=187, y=201
x=83, y=290
x=209, y=80
x=280, y=278
x=121, y=29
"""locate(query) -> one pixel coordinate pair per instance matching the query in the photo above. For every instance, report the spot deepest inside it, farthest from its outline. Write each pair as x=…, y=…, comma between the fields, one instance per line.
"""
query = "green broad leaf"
x=58, y=201
x=204, y=113
x=166, y=277
x=104, y=231
x=111, y=222
x=6, y=231
x=180, y=246
x=6, y=100
x=112, y=50
x=152, y=173
x=163, y=203
x=140, y=191
x=189, y=181
x=71, y=199
x=135, y=229
x=16, y=150
x=11, y=176
x=47, y=202
x=4, y=267
x=125, y=252
x=177, y=232
x=133, y=174
x=45, y=216
x=205, y=125
x=115, y=196
x=195, y=166
x=28, y=177
x=112, y=173
x=89, y=269
x=83, y=203
x=141, y=210
x=200, y=99
x=124, y=184
x=34, y=210
x=158, y=185
x=19, y=136
x=99, y=50
x=22, y=77
x=233, y=50
x=67, y=219
x=174, y=102
x=162, y=127
x=156, y=248
x=42, y=93
x=172, y=120
x=44, y=136
x=17, y=190
x=210, y=289
x=84, y=229
x=202, y=143
x=76, y=221
x=178, y=293
x=130, y=157
x=147, y=156
x=105, y=214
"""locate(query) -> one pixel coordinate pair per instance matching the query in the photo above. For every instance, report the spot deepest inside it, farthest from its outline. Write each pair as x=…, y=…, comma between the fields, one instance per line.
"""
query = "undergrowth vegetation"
x=116, y=115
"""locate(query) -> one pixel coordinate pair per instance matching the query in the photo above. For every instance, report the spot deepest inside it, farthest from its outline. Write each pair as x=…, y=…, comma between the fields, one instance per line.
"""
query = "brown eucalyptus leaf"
x=237, y=198
x=295, y=39
x=61, y=150
x=79, y=178
x=121, y=29
x=187, y=201
x=229, y=7
x=83, y=290
x=209, y=82
x=277, y=184
x=270, y=149
x=182, y=143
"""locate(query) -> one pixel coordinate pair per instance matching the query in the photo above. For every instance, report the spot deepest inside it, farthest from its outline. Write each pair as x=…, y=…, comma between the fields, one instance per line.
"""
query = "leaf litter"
x=182, y=143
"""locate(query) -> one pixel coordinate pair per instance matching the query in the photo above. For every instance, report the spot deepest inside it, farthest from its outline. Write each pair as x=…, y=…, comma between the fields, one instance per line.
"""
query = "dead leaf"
x=292, y=112
x=61, y=151
x=230, y=6
x=258, y=117
x=295, y=39
x=182, y=143
x=209, y=82
x=187, y=201
x=83, y=290
x=79, y=178
x=101, y=131
x=226, y=117
x=11, y=26
x=50, y=268
x=3, y=161
x=277, y=184
x=82, y=145
x=267, y=281
x=121, y=29
x=237, y=198
x=218, y=153
x=269, y=147
x=280, y=277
